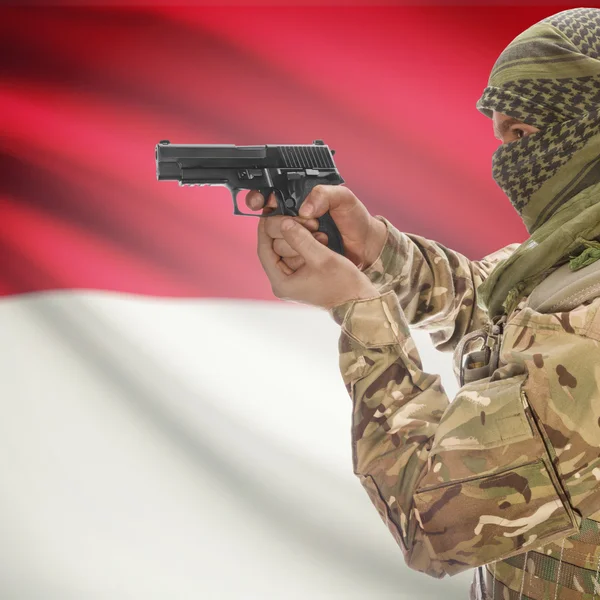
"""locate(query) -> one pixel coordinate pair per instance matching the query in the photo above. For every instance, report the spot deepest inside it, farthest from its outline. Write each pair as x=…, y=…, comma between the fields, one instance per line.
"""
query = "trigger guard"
x=280, y=210
x=236, y=209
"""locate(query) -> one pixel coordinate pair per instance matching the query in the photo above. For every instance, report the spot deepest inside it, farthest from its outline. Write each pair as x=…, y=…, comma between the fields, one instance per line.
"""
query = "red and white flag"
x=169, y=429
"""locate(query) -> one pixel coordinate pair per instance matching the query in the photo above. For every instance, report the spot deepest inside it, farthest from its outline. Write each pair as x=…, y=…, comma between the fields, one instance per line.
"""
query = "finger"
x=283, y=249
x=294, y=262
x=271, y=204
x=254, y=200
x=268, y=259
x=272, y=201
x=302, y=241
x=287, y=270
x=321, y=237
x=310, y=224
x=273, y=226
x=317, y=202
x=326, y=198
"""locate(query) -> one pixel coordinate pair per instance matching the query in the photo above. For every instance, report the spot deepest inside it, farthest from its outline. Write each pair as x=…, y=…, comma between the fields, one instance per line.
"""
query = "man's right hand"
x=363, y=235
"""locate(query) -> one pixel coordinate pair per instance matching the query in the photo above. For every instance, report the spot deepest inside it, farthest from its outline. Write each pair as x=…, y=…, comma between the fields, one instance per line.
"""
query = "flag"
x=170, y=429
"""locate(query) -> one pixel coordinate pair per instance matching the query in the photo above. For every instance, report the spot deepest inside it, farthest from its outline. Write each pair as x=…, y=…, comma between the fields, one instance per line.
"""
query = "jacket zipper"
x=552, y=456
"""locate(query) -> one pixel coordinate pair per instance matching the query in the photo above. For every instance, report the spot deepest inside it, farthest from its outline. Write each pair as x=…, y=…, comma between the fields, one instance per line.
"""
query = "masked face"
x=509, y=129
x=509, y=162
x=546, y=81
x=533, y=157
x=516, y=162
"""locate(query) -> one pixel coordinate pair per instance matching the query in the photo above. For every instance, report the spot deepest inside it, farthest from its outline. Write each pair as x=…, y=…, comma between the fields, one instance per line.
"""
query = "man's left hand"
x=326, y=278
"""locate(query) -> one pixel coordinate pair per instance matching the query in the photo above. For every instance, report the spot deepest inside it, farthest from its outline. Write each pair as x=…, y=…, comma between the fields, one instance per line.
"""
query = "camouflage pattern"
x=507, y=474
x=404, y=266
x=534, y=573
x=512, y=464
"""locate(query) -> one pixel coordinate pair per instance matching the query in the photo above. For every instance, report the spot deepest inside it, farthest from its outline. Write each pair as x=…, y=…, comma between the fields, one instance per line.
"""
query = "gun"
x=289, y=172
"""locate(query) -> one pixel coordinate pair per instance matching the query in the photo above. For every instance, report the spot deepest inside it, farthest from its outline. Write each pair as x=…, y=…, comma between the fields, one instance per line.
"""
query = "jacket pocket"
x=484, y=414
x=476, y=521
x=490, y=490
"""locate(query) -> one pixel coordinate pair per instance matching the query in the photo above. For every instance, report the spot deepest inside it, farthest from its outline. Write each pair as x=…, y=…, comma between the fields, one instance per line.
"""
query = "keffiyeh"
x=548, y=77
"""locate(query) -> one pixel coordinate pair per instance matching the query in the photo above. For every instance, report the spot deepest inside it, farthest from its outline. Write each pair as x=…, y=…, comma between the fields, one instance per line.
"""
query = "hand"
x=363, y=235
x=326, y=278
x=254, y=200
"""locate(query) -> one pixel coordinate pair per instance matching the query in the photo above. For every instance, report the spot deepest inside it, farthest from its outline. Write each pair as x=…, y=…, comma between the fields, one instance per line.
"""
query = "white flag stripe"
x=160, y=448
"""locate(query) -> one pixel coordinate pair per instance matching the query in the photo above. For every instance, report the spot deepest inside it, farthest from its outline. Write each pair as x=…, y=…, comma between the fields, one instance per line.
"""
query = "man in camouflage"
x=507, y=474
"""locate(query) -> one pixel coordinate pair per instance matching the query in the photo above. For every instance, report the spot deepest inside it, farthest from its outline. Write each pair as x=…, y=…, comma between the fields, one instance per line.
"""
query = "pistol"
x=289, y=172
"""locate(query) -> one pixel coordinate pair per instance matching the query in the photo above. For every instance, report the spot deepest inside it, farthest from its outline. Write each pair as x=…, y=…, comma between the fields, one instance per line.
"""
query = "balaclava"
x=548, y=77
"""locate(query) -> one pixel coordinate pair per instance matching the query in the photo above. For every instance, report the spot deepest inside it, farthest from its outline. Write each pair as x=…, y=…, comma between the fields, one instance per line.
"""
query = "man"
x=507, y=474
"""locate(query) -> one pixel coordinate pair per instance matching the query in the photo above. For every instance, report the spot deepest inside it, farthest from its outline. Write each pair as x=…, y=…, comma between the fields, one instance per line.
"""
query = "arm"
x=465, y=483
x=436, y=287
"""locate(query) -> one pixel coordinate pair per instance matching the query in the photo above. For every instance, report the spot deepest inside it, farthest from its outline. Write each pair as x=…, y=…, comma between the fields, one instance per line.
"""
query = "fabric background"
x=169, y=429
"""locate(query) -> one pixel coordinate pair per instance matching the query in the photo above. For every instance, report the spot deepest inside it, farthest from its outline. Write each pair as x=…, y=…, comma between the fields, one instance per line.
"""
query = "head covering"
x=548, y=77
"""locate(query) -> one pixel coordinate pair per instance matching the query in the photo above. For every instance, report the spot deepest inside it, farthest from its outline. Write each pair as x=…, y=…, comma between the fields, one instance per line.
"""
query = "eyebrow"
x=505, y=126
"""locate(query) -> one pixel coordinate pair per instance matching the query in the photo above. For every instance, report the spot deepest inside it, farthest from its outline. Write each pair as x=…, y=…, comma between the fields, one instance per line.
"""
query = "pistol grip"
x=334, y=239
x=301, y=190
x=290, y=205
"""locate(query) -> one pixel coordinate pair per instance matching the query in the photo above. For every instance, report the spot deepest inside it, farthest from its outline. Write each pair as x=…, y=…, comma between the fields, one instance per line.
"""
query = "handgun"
x=290, y=172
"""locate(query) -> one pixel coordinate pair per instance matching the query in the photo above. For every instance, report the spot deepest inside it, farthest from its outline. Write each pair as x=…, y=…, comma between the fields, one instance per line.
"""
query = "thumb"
x=318, y=202
x=302, y=241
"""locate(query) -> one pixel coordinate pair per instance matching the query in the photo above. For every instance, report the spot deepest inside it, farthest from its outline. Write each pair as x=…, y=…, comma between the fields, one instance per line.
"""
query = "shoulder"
x=581, y=320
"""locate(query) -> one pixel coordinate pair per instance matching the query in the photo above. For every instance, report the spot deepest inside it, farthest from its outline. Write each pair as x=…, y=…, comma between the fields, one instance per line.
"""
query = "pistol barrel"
x=287, y=172
x=173, y=159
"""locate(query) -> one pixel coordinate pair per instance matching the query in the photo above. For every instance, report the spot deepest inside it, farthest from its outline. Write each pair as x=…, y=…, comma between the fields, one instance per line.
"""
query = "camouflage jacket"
x=513, y=462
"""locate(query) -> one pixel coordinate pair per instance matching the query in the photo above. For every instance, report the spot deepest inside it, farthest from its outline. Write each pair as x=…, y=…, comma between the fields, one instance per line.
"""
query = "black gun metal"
x=290, y=172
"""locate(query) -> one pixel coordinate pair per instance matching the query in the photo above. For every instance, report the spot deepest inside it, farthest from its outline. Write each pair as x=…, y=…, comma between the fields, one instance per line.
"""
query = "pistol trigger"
x=281, y=203
x=276, y=211
x=266, y=193
x=234, y=193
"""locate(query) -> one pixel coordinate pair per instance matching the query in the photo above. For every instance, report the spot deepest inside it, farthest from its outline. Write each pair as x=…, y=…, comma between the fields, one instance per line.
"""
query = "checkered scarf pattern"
x=548, y=77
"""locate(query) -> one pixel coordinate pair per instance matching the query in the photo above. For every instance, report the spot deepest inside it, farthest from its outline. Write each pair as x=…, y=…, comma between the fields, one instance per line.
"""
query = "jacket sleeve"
x=458, y=484
x=436, y=286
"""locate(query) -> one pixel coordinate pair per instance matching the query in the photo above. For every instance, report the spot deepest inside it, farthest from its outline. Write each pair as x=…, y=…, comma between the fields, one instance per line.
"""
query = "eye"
x=519, y=132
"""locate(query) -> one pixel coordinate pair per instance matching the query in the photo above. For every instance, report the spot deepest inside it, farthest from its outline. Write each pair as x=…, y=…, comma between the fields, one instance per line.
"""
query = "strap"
x=475, y=365
x=565, y=289
x=562, y=290
x=477, y=591
x=500, y=590
x=460, y=349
